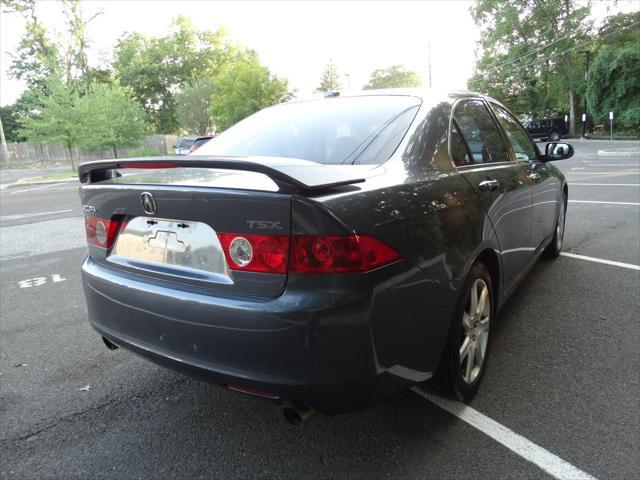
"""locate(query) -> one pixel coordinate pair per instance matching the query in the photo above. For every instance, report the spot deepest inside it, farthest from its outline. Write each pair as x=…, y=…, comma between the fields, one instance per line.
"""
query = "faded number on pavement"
x=37, y=281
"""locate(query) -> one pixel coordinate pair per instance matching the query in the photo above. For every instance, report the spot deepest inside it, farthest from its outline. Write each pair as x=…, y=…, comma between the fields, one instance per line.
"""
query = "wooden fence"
x=26, y=155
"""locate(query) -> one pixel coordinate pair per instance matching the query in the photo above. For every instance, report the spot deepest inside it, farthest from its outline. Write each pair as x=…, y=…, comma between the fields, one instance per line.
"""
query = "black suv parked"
x=551, y=128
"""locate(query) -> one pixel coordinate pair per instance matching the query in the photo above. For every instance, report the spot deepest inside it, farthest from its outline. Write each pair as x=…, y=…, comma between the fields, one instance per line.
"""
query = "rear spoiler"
x=289, y=174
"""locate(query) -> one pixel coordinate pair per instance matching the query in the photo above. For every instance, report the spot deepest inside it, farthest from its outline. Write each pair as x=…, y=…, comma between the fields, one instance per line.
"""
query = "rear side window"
x=346, y=130
x=485, y=141
x=459, y=152
x=520, y=141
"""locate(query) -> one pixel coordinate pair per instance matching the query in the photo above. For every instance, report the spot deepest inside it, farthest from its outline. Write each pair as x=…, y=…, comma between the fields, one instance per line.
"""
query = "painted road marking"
x=606, y=184
x=28, y=215
x=630, y=266
x=613, y=174
x=612, y=165
x=605, y=203
x=534, y=453
x=37, y=281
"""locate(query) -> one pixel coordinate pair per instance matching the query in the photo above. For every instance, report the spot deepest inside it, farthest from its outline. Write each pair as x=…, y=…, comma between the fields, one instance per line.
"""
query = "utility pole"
x=348, y=81
x=586, y=82
x=5, y=152
x=429, y=54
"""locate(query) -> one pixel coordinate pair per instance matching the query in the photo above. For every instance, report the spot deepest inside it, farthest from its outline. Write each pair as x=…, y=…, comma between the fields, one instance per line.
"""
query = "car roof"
x=428, y=96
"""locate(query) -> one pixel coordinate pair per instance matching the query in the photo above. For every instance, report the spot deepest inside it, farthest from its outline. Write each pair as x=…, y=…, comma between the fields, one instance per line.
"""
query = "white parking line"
x=613, y=165
x=28, y=215
x=606, y=184
x=544, y=459
x=605, y=203
x=612, y=174
x=630, y=266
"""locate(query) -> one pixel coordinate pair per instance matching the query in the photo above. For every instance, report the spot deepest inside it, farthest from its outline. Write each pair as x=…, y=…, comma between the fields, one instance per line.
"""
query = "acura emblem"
x=148, y=203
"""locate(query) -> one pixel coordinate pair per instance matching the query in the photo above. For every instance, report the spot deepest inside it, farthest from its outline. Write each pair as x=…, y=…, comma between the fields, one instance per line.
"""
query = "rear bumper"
x=335, y=346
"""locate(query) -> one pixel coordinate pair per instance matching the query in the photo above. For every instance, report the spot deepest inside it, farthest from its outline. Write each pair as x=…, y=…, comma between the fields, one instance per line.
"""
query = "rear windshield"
x=185, y=143
x=350, y=130
x=200, y=141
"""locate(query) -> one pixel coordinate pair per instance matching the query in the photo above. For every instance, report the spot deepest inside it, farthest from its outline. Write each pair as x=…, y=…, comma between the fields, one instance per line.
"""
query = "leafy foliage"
x=192, y=107
x=58, y=118
x=37, y=57
x=156, y=68
x=614, y=76
x=10, y=116
x=330, y=79
x=112, y=118
x=242, y=88
x=528, y=53
x=393, y=77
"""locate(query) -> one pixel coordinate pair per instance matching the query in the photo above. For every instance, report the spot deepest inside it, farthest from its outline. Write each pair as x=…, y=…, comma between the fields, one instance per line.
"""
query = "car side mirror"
x=558, y=151
x=173, y=146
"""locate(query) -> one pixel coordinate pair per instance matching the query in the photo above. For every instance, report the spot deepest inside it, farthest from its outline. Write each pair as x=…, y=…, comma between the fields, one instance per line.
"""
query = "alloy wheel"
x=475, y=331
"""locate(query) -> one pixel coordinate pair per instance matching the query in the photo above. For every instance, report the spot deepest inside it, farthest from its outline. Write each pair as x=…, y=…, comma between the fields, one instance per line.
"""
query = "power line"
x=508, y=62
x=575, y=47
x=535, y=51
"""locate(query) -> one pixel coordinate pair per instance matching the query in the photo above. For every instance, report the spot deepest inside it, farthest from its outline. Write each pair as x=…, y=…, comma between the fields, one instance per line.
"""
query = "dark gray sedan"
x=327, y=253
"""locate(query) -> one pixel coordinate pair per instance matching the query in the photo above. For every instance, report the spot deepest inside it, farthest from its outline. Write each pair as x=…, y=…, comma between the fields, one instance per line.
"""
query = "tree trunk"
x=572, y=97
x=73, y=166
x=572, y=113
x=115, y=152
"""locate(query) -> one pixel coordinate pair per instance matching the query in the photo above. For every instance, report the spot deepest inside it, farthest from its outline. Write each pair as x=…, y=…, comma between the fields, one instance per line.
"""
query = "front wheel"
x=465, y=354
x=554, y=137
x=555, y=247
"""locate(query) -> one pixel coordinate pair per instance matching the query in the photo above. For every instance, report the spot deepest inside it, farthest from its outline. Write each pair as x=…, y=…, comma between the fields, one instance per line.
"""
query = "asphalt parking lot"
x=560, y=398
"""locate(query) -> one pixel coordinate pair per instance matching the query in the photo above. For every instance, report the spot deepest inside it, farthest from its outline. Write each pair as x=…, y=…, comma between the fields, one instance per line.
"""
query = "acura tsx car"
x=327, y=253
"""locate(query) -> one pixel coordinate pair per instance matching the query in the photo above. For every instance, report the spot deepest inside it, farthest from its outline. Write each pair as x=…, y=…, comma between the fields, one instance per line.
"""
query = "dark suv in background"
x=551, y=128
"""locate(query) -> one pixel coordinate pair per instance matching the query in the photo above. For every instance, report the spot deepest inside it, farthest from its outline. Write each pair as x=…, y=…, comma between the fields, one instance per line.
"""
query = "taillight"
x=100, y=233
x=339, y=254
x=256, y=253
x=149, y=165
x=306, y=254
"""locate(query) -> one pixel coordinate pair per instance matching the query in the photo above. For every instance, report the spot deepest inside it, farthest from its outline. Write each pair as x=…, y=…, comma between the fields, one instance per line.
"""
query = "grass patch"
x=51, y=177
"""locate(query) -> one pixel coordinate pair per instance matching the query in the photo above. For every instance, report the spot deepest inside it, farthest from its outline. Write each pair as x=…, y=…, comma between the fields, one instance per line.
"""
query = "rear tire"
x=555, y=247
x=554, y=136
x=465, y=354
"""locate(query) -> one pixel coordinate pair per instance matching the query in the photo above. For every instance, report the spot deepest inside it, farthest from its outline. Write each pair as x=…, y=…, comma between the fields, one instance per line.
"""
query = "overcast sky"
x=295, y=39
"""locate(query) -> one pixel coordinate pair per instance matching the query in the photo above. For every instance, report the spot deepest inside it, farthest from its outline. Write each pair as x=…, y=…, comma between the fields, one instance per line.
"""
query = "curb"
x=25, y=182
x=619, y=153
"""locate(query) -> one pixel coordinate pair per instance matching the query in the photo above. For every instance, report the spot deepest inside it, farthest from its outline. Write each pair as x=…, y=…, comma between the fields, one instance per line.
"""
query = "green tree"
x=393, y=77
x=529, y=52
x=10, y=115
x=156, y=68
x=75, y=57
x=113, y=118
x=330, y=79
x=242, y=88
x=614, y=75
x=58, y=118
x=192, y=107
x=37, y=56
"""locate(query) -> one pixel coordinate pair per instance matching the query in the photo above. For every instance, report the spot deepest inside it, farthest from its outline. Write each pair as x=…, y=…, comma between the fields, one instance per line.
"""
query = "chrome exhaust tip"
x=297, y=415
x=110, y=345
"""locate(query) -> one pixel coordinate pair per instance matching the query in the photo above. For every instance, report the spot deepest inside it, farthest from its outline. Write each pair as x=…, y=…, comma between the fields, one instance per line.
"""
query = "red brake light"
x=256, y=253
x=100, y=233
x=339, y=254
x=147, y=165
x=307, y=254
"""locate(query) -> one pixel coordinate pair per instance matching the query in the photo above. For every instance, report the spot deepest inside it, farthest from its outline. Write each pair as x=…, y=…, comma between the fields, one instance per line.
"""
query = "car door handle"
x=489, y=185
x=534, y=177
